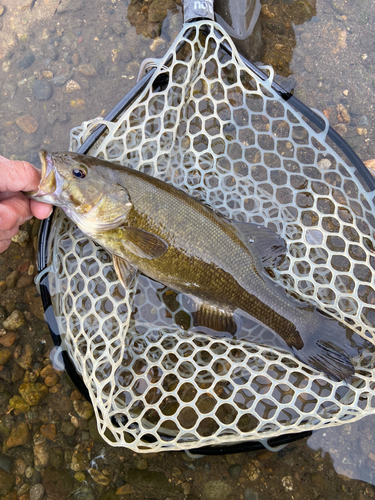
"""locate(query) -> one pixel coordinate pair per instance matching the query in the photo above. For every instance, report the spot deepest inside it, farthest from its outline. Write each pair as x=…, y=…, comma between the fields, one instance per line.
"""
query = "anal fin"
x=214, y=318
x=125, y=271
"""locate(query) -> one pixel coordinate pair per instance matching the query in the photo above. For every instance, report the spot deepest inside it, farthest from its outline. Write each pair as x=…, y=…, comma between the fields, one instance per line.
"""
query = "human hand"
x=15, y=208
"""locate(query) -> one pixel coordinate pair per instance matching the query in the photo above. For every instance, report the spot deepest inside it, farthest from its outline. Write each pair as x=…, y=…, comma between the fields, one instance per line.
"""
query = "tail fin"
x=321, y=350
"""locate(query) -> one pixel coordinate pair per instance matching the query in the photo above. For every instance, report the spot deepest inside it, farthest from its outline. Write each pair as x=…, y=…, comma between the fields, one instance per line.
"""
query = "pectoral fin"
x=144, y=244
x=125, y=271
x=261, y=242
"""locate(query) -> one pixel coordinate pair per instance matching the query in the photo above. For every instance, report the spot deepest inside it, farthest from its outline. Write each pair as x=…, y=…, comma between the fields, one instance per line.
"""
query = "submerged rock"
x=28, y=125
x=42, y=90
x=153, y=484
x=70, y=6
x=19, y=436
x=6, y=482
x=58, y=483
x=33, y=392
x=26, y=61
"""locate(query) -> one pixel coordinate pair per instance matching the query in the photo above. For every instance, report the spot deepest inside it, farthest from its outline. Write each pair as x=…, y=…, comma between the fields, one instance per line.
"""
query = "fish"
x=223, y=265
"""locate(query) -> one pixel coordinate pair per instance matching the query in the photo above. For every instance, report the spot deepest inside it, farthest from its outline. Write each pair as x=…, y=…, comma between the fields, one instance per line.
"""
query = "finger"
x=7, y=235
x=40, y=210
x=4, y=245
x=14, y=211
x=18, y=175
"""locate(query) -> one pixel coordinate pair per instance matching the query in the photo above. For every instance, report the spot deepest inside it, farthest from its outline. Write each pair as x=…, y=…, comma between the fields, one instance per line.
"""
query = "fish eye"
x=79, y=173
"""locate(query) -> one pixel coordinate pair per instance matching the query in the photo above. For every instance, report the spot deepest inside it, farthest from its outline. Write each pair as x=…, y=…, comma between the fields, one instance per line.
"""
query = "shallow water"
x=328, y=55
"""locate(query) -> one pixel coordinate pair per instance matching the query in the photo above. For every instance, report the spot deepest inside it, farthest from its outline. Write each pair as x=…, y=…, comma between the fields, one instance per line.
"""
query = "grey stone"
x=26, y=61
x=363, y=121
x=251, y=495
x=216, y=490
x=59, y=80
x=235, y=471
x=5, y=463
x=42, y=90
x=70, y=6
x=36, y=492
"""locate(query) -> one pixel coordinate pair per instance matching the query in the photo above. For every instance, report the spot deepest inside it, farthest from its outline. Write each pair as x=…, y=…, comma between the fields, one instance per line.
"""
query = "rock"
x=150, y=484
x=14, y=321
x=19, y=404
x=361, y=131
x=19, y=467
x=5, y=355
x=26, y=358
x=59, y=80
x=87, y=70
x=119, y=28
x=58, y=483
x=34, y=302
x=370, y=164
x=48, y=431
x=342, y=114
x=24, y=281
x=75, y=59
x=98, y=477
x=51, y=380
x=216, y=490
x=19, y=436
x=72, y=86
x=26, y=61
x=6, y=482
x=11, y=279
x=363, y=121
x=42, y=90
x=41, y=454
x=5, y=463
x=33, y=392
x=36, y=492
x=235, y=471
x=84, y=409
x=2, y=10
x=70, y=6
x=80, y=461
x=157, y=11
x=340, y=128
x=22, y=237
x=28, y=125
x=4, y=399
x=93, y=430
x=68, y=429
x=126, y=489
x=17, y=373
x=8, y=339
x=157, y=44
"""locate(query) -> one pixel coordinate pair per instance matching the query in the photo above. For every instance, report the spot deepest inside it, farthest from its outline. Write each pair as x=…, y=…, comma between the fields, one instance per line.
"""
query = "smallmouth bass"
x=151, y=226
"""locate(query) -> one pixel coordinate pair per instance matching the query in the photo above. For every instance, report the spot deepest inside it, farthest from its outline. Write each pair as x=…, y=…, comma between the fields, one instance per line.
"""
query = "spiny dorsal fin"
x=261, y=241
x=144, y=244
x=125, y=271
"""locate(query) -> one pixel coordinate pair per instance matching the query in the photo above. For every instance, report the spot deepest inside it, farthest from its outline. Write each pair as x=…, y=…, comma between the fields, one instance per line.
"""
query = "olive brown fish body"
x=173, y=238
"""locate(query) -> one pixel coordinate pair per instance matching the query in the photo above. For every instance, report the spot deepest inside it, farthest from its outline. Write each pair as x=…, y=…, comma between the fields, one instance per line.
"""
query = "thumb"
x=18, y=175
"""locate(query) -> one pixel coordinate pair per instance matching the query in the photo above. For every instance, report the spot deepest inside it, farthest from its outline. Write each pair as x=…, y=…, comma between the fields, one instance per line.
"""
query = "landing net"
x=210, y=126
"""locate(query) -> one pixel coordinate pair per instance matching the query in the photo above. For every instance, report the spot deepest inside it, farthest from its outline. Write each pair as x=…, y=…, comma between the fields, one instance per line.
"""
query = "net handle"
x=196, y=10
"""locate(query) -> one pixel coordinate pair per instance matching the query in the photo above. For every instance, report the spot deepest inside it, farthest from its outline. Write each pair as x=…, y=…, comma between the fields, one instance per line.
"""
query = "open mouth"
x=47, y=185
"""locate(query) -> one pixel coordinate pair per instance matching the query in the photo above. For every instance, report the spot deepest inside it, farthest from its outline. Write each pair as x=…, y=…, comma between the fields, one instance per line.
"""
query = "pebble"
x=340, y=128
x=72, y=86
x=6, y=483
x=80, y=461
x=8, y=339
x=84, y=409
x=216, y=490
x=33, y=392
x=27, y=124
x=75, y=59
x=2, y=10
x=12, y=278
x=250, y=495
x=26, y=61
x=58, y=483
x=343, y=114
x=158, y=43
x=98, y=477
x=68, y=429
x=25, y=357
x=5, y=463
x=47, y=74
x=19, y=436
x=48, y=431
x=324, y=164
x=70, y=6
x=22, y=237
x=19, y=404
x=41, y=454
x=42, y=90
x=361, y=131
x=363, y=121
x=126, y=489
x=51, y=380
x=14, y=321
x=87, y=69
x=36, y=492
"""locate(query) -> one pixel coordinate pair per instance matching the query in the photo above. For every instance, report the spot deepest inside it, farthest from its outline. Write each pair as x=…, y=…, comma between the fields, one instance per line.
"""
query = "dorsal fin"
x=261, y=242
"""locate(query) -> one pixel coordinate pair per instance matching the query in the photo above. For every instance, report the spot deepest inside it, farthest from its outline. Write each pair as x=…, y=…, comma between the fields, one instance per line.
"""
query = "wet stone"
x=28, y=125
x=11, y=279
x=68, y=429
x=19, y=436
x=250, y=495
x=152, y=484
x=87, y=70
x=22, y=237
x=26, y=61
x=8, y=339
x=42, y=90
x=235, y=471
x=5, y=463
x=32, y=393
x=48, y=431
x=2, y=10
x=5, y=355
x=36, y=492
x=70, y=6
x=99, y=477
x=41, y=454
x=80, y=461
x=26, y=358
x=216, y=490
x=84, y=409
x=6, y=482
x=19, y=404
x=58, y=483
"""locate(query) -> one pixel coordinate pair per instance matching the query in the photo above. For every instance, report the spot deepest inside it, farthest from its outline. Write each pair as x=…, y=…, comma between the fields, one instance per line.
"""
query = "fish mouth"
x=48, y=185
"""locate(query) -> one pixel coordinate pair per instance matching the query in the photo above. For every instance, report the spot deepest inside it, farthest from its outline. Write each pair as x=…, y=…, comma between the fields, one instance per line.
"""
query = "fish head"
x=84, y=189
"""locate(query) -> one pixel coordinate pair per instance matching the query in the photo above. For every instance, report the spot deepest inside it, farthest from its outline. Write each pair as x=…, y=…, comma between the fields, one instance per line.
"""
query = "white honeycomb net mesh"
x=215, y=130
